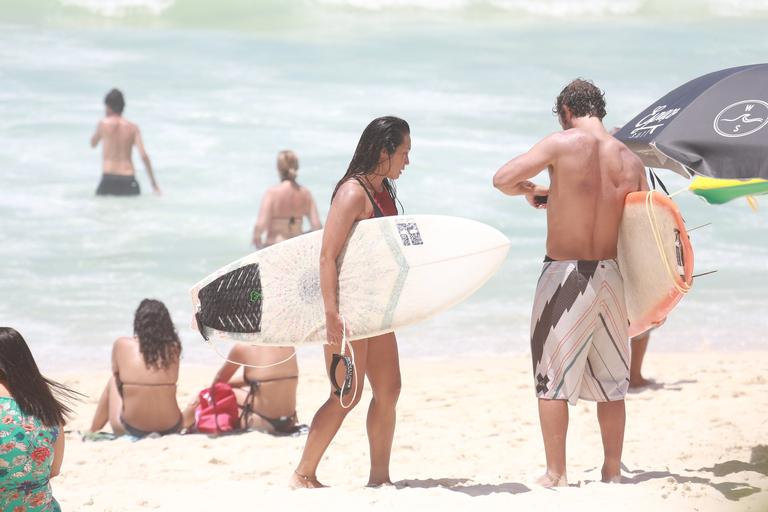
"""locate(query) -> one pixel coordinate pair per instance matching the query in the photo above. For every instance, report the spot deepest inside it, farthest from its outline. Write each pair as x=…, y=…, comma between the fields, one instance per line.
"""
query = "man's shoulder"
x=576, y=136
x=130, y=124
x=573, y=141
x=627, y=155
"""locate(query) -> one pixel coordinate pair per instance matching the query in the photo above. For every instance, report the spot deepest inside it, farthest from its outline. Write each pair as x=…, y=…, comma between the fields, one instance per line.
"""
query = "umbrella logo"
x=656, y=119
x=741, y=118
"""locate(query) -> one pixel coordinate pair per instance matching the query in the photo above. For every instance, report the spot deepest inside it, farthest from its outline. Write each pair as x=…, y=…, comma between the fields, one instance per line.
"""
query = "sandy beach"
x=467, y=437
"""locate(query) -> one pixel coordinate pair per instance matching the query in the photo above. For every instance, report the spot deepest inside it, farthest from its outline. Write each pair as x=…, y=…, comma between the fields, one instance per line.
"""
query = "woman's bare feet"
x=299, y=481
x=549, y=480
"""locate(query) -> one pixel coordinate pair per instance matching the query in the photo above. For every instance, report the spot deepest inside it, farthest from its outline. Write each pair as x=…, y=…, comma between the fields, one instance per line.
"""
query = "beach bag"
x=217, y=410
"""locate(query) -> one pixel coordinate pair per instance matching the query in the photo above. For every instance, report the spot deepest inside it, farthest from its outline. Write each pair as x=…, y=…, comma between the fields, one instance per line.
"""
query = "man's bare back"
x=590, y=175
x=119, y=137
x=589, y=180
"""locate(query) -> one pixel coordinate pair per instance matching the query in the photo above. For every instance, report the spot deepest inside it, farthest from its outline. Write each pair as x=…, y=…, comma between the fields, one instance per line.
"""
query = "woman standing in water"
x=366, y=191
x=284, y=206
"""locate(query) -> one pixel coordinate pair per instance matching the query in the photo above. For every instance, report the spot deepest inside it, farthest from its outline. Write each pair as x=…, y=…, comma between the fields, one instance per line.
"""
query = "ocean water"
x=219, y=88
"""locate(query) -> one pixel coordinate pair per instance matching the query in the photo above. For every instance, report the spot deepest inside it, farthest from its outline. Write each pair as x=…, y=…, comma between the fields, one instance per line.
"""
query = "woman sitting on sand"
x=364, y=192
x=284, y=206
x=140, y=397
x=266, y=395
x=32, y=417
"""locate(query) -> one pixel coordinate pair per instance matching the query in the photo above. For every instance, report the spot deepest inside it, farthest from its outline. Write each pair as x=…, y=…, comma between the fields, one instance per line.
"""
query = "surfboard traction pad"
x=232, y=302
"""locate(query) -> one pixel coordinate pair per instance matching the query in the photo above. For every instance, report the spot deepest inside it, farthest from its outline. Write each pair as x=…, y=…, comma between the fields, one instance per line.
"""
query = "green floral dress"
x=26, y=455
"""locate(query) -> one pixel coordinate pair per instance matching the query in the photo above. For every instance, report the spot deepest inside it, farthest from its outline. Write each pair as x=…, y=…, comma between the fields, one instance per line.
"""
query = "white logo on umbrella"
x=656, y=119
x=742, y=118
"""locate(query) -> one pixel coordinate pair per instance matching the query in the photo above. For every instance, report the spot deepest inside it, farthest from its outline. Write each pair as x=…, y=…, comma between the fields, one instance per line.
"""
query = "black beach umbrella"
x=715, y=125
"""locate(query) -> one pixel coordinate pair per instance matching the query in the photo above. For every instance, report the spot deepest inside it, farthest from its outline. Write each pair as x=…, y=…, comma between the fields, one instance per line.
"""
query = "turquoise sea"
x=219, y=87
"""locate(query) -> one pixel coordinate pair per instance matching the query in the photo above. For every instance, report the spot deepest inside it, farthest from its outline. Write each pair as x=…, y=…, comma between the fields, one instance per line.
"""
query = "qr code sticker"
x=409, y=233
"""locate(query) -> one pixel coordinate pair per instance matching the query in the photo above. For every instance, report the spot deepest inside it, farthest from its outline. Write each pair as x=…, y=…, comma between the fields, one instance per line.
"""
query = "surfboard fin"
x=703, y=274
x=201, y=326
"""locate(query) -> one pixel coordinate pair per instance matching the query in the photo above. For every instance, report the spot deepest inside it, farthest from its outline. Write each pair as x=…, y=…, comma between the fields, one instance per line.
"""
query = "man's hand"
x=537, y=196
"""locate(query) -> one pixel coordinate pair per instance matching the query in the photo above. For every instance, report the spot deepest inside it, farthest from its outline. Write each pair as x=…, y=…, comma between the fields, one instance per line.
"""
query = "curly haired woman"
x=140, y=397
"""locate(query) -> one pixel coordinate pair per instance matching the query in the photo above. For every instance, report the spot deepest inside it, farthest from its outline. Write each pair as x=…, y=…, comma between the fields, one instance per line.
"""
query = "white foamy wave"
x=549, y=8
x=376, y=5
x=738, y=8
x=119, y=8
x=569, y=8
x=232, y=13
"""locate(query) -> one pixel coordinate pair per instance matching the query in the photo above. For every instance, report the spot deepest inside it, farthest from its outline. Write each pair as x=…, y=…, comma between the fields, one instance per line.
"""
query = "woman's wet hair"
x=383, y=133
x=583, y=98
x=158, y=341
x=36, y=395
x=114, y=100
x=287, y=165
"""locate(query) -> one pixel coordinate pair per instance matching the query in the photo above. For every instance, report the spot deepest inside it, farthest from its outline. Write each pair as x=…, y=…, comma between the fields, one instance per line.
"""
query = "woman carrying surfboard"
x=365, y=191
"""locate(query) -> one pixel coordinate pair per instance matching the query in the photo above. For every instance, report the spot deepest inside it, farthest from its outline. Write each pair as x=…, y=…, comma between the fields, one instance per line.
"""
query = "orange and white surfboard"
x=655, y=257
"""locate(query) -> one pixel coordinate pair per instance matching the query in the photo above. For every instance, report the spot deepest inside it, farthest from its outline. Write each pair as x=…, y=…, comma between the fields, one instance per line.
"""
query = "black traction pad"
x=232, y=302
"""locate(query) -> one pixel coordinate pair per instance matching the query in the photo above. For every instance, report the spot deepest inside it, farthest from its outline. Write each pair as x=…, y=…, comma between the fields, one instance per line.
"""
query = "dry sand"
x=467, y=437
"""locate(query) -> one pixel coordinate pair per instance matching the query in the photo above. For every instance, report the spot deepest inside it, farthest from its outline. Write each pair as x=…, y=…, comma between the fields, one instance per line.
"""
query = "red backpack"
x=217, y=410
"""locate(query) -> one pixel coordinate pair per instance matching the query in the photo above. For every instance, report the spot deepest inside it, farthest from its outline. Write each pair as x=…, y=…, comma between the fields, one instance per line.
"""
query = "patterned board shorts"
x=579, y=339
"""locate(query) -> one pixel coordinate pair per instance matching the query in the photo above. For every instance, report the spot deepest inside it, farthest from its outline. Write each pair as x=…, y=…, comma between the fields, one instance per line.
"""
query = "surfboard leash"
x=341, y=357
x=208, y=341
x=349, y=368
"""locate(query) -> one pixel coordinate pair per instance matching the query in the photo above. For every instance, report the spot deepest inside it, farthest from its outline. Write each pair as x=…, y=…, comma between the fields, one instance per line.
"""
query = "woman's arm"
x=228, y=369
x=58, y=453
x=348, y=206
x=265, y=216
x=115, y=367
x=314, y=217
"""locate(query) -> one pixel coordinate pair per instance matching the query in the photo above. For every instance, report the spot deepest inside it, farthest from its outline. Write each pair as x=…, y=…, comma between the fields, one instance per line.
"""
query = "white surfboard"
x=393, y=272
x=655, y=257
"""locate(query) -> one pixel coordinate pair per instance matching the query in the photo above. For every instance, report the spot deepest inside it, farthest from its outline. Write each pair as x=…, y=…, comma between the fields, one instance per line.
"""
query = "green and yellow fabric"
x=719, y=191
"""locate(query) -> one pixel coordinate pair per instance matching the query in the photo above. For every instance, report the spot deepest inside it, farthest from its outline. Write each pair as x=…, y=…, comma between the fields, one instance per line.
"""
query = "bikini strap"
x=376, y=210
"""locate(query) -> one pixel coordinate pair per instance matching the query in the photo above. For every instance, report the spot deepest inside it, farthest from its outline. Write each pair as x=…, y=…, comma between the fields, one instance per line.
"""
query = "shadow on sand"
x=458, y=485
x=667, y=386
x=733, y=491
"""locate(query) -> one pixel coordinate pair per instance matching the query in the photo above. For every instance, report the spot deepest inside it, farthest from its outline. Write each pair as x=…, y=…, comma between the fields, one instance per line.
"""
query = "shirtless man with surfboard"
x=579, y=340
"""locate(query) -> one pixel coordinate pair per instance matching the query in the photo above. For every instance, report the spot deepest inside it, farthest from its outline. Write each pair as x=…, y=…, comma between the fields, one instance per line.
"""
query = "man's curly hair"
x=583, y=98
x=158, y=341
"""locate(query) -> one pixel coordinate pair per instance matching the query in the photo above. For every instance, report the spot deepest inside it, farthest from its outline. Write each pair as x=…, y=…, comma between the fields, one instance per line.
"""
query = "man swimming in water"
x=579, y=340
x=120, y=135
